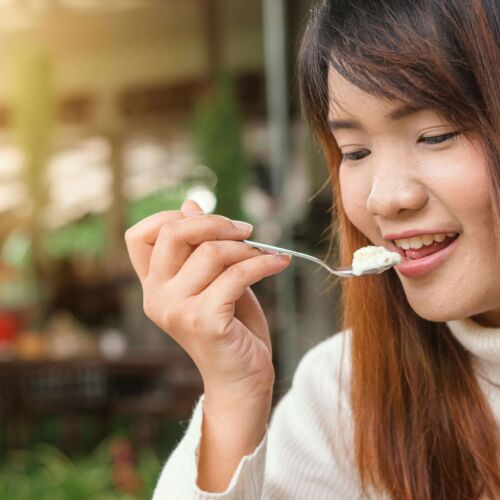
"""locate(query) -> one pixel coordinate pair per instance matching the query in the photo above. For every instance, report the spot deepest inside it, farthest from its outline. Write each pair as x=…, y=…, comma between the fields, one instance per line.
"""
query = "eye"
x=356, y=155
x=438, y=139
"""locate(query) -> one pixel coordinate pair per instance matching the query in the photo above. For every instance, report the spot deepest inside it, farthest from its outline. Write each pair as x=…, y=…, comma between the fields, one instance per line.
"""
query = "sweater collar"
x=483, y=342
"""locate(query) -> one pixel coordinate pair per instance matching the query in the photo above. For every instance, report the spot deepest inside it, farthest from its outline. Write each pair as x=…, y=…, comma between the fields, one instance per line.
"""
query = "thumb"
x=189, y=206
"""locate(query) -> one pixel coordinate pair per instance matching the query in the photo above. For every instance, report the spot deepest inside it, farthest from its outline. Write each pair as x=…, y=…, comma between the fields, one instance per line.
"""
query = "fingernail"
x=242, y=226
x=282, y=257
x=191, y=213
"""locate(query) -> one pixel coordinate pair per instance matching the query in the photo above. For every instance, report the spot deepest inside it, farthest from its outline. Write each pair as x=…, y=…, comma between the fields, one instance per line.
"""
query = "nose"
x=391, y=195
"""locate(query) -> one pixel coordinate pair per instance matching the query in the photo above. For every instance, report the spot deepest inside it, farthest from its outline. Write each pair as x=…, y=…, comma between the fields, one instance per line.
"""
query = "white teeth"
x=417, y=242
x=428, y=239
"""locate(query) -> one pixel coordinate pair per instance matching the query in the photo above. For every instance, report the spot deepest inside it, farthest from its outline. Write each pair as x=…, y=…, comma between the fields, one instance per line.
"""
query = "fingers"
x=141, y=237
x=207, y=261
x=177, y=240
x=190, y=208
x=230, y=285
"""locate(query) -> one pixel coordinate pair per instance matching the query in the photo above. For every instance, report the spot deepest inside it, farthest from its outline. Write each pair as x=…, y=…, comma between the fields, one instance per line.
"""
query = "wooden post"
x=116, y=215
x=210, y=13
x=279, y=131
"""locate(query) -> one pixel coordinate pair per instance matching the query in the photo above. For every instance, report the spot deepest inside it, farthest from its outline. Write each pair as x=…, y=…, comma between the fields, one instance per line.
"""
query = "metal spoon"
x=345, y=272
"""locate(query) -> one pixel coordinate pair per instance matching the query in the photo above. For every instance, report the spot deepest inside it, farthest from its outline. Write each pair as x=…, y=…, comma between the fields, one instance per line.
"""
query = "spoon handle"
x=272, y=249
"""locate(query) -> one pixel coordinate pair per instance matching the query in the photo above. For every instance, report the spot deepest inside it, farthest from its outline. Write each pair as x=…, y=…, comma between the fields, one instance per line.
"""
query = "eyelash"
x=432, y=140
x=443, y=138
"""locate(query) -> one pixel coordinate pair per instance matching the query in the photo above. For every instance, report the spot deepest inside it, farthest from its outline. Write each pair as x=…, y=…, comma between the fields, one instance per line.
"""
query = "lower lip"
x=419, y=267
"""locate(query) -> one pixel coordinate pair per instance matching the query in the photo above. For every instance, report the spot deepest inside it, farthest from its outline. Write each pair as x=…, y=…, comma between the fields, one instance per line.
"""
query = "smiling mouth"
x=425, y=251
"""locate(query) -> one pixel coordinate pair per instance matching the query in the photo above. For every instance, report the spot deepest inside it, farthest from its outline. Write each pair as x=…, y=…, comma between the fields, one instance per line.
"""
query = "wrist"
x=220, y=402
x=229, y=433
x=246, y=418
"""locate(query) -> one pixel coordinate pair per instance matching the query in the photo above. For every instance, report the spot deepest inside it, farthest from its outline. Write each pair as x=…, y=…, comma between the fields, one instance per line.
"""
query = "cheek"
x=354, y=193
x=464, y=186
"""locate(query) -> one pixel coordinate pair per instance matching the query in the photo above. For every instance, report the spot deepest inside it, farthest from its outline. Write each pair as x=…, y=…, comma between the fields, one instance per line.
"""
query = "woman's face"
x=408, y=173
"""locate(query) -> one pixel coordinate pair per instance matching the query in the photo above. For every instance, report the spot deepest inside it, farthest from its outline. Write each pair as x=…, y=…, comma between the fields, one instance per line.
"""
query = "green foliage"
x=86, y=236
x=166, y=199
x=217, y=137
x=47, y=474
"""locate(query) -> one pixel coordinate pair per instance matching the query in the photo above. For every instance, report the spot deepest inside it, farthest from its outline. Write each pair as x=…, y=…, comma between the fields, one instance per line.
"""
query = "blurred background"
x=111, y=110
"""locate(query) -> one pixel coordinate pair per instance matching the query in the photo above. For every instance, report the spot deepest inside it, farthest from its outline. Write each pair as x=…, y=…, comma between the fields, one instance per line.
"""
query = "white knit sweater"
x=307, y=452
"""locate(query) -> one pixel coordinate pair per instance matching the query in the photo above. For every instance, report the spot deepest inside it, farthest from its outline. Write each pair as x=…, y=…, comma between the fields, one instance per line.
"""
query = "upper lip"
x=416, y=232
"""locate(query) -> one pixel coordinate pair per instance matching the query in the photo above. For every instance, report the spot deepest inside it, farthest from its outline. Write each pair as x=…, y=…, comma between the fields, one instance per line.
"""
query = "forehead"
x=350, y=107
x=345, y=99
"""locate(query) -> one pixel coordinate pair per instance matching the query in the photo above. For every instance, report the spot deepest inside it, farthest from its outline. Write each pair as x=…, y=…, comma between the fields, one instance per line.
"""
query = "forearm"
x=229, y=432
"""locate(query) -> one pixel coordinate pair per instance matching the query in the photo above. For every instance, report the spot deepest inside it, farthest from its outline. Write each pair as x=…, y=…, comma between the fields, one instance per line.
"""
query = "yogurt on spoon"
x=372, y=257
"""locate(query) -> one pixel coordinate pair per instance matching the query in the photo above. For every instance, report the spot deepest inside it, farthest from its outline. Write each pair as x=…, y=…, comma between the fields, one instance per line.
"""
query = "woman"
x=404, y=404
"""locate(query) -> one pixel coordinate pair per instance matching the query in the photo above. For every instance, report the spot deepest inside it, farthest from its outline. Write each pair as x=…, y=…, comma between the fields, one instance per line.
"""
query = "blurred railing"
x=143, y=387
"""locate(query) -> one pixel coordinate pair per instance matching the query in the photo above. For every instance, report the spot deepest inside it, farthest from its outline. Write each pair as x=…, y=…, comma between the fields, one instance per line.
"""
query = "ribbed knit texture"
x=307, y=452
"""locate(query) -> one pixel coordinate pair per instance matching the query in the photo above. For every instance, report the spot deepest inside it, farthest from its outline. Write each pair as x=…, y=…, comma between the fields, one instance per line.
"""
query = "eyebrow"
x=396, y=114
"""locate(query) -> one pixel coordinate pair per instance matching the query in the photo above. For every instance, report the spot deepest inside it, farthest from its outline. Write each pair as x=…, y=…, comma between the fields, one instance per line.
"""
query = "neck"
x=490, y=319
x=483, y=342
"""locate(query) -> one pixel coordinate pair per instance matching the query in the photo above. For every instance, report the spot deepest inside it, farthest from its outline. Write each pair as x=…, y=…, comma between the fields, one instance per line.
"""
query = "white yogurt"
x=372, y=257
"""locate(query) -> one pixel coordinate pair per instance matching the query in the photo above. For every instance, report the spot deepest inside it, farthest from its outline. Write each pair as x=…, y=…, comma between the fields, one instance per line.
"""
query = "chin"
x=439, y=317
x=438, y=313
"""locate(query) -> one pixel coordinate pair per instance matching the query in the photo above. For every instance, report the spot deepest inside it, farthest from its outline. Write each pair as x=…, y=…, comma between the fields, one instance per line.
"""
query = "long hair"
x=423, y=429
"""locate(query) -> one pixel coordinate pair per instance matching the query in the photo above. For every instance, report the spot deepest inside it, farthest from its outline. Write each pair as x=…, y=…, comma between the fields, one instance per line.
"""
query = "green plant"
x=164, y=199
x=45, y=473
x=87, y=235
x=217, y=139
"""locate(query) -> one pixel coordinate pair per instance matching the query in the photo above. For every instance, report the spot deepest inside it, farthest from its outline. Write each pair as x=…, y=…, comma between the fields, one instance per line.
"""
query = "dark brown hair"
x=423, y=428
